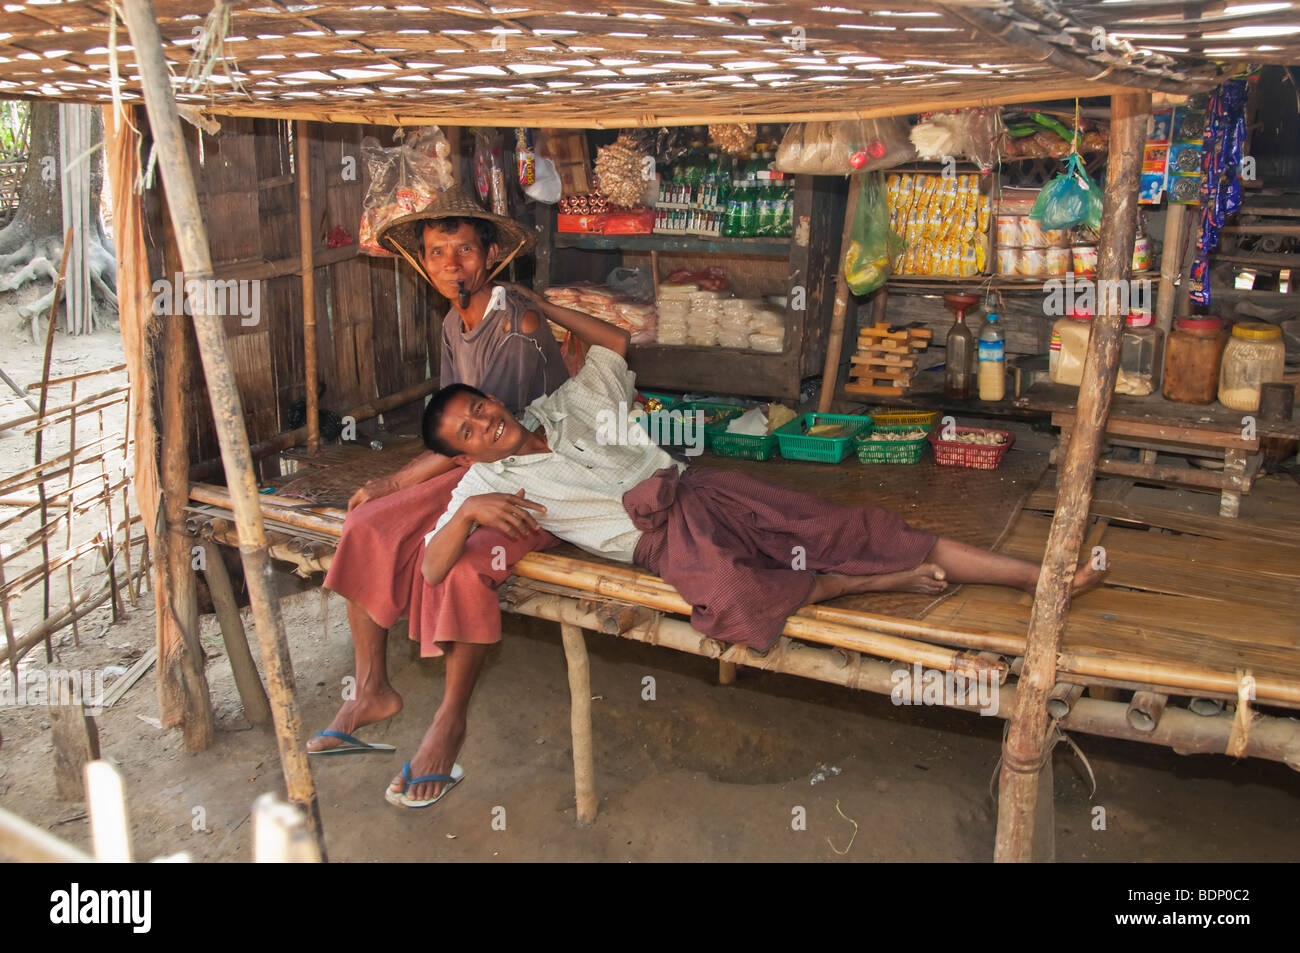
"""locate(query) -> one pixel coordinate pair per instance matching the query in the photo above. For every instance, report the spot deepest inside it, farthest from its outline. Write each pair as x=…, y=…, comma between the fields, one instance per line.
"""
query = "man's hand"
x=504, y=512
x=373, y=490
x=525, y=292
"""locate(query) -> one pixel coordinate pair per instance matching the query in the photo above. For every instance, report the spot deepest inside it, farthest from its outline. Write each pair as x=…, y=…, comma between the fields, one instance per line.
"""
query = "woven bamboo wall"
x=376, y=324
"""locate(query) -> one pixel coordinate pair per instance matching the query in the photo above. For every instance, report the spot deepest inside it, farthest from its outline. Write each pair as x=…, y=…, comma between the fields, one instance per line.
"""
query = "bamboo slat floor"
x=1173, y=596
x=1176, y=593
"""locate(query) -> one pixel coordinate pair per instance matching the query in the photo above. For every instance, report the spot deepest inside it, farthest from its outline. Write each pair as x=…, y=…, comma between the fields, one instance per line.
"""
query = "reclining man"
x=494, y=337
x=726, y=541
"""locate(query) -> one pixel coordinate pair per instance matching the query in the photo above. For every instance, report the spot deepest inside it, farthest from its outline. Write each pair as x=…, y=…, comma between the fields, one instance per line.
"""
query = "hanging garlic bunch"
x=734, y=138
x=621, y=167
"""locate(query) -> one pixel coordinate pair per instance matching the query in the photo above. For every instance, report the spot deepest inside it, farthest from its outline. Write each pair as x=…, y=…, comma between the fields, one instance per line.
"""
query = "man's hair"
x=433, y=417
x=485, y=229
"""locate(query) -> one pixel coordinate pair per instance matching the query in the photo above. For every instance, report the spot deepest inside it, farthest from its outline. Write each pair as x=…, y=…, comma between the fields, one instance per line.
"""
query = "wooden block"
x=75, y=738
x=874, y=390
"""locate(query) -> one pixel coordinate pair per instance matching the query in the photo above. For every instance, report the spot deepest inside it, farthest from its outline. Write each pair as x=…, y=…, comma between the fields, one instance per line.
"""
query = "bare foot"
x=1086, y=578
x=436, y=755
x=926, y=578
x=361, y=711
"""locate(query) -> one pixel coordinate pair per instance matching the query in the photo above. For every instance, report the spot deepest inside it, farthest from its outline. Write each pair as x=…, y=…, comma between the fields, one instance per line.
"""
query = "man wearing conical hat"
x=494, y=337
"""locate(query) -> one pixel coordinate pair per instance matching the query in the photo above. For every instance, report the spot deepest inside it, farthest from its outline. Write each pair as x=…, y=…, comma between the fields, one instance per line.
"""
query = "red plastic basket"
x=950, y=453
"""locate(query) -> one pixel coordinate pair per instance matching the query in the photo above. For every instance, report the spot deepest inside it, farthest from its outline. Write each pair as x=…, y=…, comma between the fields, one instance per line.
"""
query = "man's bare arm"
x=512, y=514
x=424, y=467
x=591, y=331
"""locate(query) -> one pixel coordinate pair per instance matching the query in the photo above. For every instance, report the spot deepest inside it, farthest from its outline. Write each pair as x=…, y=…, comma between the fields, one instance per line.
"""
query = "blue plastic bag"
x=1069, y=199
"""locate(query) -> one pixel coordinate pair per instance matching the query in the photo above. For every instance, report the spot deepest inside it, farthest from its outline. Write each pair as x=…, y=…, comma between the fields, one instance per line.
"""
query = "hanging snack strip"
x=945, y=221
x=1225, y=135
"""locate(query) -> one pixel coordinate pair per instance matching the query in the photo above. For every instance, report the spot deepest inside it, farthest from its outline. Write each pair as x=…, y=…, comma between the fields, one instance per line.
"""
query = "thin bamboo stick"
x=56, y=381
x=40, y=413
x=307, y=246
x=51, y=411
x=10, y=645
x=1022, y=751
x=72, y=462
x=226, y=407
x=110, y=550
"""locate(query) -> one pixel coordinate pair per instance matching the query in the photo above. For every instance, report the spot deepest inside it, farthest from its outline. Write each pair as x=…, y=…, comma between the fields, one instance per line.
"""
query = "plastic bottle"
x=992, y=374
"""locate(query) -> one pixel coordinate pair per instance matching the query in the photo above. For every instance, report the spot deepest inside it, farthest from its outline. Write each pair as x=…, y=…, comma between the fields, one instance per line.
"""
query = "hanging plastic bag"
x=841, y=148
x=873, y=245
x=1068, y=199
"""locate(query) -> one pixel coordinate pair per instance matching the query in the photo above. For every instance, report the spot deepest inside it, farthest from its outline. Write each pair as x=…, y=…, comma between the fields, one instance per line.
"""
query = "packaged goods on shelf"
x=945, y=221
x=639, y=319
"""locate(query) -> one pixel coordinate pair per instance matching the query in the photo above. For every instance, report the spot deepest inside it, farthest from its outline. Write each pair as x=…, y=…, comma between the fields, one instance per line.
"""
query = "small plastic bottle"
x=992, y=373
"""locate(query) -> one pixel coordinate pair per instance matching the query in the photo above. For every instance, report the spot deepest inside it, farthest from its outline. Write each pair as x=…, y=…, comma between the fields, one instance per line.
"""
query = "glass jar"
x=1254, y=355
x=1069, y=348
x=1192, y=357
x=1141, y=354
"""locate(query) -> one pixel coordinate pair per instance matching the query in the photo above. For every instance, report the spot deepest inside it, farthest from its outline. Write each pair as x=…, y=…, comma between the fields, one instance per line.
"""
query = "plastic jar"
x=1254, y=355
x=1141, y=253
x=1069, y=348
x=1192, y=357
x=1141, y=355
x=1084, y=258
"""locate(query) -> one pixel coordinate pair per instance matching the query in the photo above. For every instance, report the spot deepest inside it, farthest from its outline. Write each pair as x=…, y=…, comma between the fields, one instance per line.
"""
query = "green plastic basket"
x=872, y=450
x=797, y=445
x=739, y=444
x=720, y=413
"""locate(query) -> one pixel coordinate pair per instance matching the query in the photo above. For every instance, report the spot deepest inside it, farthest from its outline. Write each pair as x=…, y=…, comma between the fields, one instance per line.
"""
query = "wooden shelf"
x=778, y=247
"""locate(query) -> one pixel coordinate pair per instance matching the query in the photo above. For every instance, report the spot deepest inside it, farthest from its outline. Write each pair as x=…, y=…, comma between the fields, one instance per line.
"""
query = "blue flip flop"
x=449, y=781
x=350, y=745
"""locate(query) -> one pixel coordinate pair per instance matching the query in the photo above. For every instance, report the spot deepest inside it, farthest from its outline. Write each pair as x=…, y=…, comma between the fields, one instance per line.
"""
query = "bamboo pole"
x=1022, y=751
x=40, y=412
x=10, y=645
x=307, y=245
x=226, y=408
x=1062, y=698
x=110, y=549
x=1171, y=260
x=1145, y=709
x=110, y=829
x=584, y=770
x=835, y=340
x=24, y=841
x=251, y=693
x=83, y=605
x=72, y=463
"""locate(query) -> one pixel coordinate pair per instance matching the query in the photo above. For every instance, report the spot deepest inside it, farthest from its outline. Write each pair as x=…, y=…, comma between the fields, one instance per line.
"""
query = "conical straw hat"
x=453, y=203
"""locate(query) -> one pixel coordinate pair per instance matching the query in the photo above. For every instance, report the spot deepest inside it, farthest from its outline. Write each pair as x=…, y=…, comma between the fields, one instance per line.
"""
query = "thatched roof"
x=643, y=62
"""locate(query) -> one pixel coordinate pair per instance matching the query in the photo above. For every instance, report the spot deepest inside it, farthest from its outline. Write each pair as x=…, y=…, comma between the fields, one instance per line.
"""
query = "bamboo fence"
x=87, y=535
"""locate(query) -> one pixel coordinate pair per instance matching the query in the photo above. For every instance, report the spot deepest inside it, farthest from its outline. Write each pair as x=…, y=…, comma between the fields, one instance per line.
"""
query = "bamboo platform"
x=1192, y=604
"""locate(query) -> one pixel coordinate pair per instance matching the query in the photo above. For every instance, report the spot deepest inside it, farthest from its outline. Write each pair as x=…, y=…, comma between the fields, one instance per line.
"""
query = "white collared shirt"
x=595, y=458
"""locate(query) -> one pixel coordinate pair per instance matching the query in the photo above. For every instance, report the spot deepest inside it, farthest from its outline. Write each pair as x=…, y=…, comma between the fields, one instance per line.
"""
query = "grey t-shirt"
x=499, y=358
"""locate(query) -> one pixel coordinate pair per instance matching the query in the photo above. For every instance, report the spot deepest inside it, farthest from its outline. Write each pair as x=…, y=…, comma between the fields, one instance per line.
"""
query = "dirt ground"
x=699, y=773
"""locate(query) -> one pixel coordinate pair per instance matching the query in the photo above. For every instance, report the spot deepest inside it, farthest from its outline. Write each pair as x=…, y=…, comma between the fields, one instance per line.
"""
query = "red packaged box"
x=638, y=222
x=590, y=224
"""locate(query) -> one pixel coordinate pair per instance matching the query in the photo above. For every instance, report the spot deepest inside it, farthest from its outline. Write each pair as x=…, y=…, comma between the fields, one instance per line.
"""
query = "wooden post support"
x=227, y=410
x=307, y=243
x=584, y=769
x=251, y=693
x=1171, y=261
x=835, y=341
x=75, y=737
x=726, y=672
x=40, y=416
x=182, y=685
x=1022, y=752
